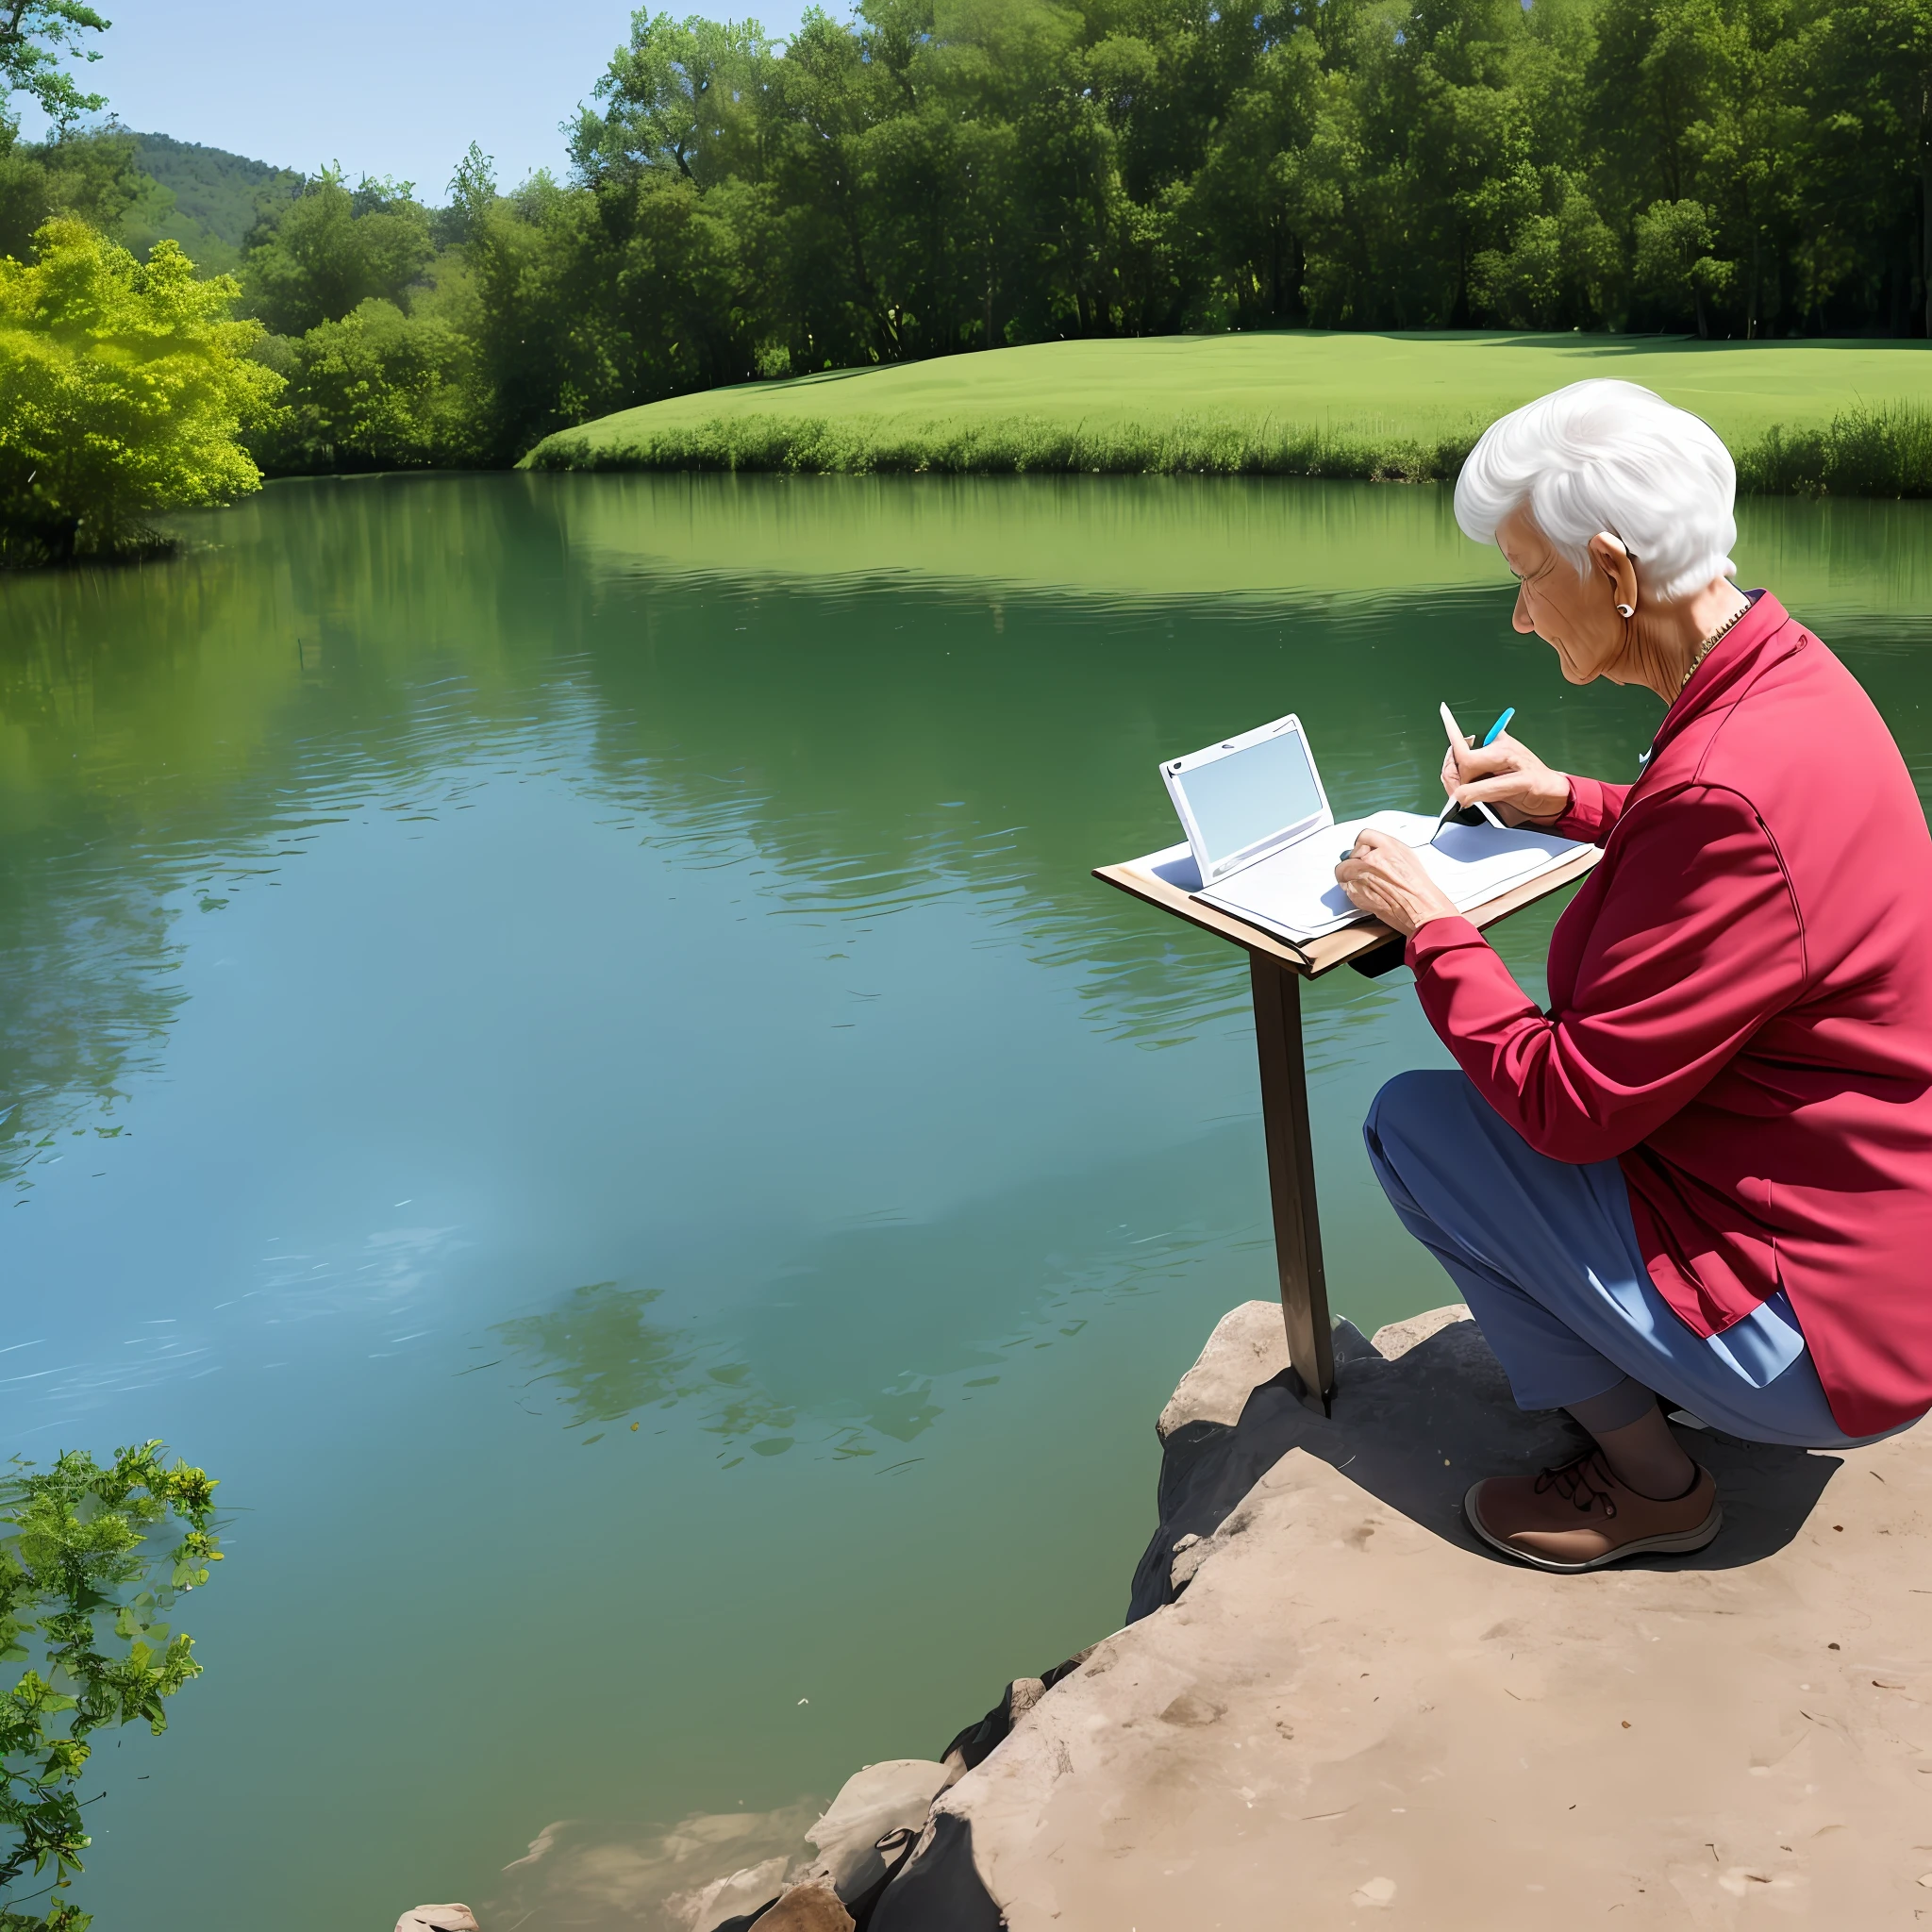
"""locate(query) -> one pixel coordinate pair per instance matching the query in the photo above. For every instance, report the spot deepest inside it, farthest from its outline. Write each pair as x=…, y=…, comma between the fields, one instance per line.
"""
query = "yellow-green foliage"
x=123, y=386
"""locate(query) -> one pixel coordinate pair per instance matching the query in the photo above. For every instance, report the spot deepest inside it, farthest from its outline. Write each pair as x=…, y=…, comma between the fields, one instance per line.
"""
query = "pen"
x=1455, y=741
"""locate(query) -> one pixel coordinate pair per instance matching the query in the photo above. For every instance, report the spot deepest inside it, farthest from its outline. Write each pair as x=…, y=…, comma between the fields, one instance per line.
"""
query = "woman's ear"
x=1607, y=553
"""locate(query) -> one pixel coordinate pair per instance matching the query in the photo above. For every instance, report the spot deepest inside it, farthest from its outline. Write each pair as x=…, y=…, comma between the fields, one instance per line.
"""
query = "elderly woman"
x=1705, y=1173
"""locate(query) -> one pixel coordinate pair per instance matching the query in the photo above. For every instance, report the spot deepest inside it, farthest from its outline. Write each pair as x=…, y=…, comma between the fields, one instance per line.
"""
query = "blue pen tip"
x=1501, y=726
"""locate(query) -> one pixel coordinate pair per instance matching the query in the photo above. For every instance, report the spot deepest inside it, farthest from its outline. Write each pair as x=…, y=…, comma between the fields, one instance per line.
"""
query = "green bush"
x=1864, y=453
x=1016, y=447
x=123, y=389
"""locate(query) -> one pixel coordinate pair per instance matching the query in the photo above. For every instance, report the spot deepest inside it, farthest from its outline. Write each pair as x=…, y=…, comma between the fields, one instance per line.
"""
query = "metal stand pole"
x=1292, y=1173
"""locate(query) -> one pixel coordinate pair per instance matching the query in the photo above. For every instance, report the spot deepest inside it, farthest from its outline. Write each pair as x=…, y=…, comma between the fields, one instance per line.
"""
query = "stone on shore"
x=1335, y=1703
x=1394, y=1339
x=882, y=1798
x=1249, y=1346
x=807, y=1909
x=734, y=1896
x=705, y=1870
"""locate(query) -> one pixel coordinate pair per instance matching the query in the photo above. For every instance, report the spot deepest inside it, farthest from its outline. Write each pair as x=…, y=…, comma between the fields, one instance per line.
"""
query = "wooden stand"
x=1276, y=967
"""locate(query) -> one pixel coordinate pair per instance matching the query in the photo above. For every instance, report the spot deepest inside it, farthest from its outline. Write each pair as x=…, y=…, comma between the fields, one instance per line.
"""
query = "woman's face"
x=1578, y=616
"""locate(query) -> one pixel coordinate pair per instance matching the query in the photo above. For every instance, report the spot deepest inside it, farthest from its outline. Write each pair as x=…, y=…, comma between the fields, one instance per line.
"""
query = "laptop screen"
x=1251, y=794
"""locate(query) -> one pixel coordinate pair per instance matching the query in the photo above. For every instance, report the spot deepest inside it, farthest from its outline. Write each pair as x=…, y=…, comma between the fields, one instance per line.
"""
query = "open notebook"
x=1265, y=845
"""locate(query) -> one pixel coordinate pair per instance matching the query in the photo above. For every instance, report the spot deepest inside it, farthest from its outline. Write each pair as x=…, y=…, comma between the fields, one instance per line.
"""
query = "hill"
x=221, y=192
x=1295, y=403
x=205, y=198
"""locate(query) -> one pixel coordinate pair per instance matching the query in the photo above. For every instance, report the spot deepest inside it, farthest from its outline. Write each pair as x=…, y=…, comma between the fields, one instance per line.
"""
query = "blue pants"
x=1547, y=1257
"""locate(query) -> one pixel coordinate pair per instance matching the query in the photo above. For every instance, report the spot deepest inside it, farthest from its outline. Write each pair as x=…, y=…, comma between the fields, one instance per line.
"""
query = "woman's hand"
x=1508, y=777
x=1383, y=877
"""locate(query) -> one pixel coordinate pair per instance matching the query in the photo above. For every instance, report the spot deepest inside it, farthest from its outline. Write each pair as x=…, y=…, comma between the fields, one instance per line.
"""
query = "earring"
x=1627, y=610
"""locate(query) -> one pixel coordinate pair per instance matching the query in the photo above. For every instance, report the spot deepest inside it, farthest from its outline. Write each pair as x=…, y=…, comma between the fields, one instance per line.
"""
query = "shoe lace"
x=1583, y=1483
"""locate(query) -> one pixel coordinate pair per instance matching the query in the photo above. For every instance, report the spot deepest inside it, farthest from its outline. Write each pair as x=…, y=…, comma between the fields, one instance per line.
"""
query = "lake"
x=629, y=1140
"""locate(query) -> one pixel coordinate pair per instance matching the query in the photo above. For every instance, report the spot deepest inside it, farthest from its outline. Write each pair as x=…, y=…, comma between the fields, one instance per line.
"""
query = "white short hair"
x=1610, y=456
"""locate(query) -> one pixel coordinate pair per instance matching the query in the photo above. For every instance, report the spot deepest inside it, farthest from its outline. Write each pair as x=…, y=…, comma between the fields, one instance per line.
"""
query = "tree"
x=378, y=390
x=1673, y=265
x=82, y=1594
x=1875, y=77
x=318, y=256
x=670, y=89
x=92, y=176
x=124, y=387
x=471, y=195
x=1559, y=265
x=1240, y=196
x=34, y=35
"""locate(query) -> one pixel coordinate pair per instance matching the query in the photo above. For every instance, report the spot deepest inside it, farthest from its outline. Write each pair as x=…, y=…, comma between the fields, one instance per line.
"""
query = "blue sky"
x=385, y=87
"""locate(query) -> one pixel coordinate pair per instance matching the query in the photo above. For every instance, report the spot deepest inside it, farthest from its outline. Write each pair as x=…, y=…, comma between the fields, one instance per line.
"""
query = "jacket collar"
x=1757, y=639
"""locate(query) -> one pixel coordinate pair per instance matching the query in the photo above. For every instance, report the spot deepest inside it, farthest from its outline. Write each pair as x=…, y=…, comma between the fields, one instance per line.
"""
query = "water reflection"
x=1141, y=538
x=85, y=1007
x=606, y=1359
x=599, y=1360
x=869, y=1322
x=869, y=1332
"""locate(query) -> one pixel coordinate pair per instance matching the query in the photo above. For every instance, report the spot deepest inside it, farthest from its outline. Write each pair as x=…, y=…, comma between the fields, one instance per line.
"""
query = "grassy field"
x=1848, y=417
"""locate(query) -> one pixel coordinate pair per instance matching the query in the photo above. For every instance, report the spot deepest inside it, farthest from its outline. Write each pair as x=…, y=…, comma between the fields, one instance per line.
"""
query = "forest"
x=939, y=175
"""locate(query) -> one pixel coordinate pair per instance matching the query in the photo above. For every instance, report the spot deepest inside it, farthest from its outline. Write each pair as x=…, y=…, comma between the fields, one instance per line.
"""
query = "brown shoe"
x=1580, y=1517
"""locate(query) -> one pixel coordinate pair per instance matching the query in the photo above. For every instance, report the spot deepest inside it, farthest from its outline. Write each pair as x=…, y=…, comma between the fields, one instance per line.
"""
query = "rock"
x=575, y=1874
x=1398, y=1338
x=1209, y=1465
x=732, y=1897
x=881, y=1798
x=1358, y=1709
x=1022, y=1694
x=438, y=1919
x=1189, y=1553
x=806, y=1908
x=586, y=1872
x=978, y=1742
x=1249, y=1346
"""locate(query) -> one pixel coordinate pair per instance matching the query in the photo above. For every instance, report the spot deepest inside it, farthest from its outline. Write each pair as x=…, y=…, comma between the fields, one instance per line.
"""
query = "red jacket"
x=1740, y=1013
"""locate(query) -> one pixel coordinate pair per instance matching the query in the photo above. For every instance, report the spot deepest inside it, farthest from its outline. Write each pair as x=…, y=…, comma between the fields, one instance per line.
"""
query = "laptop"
x=1265, y=843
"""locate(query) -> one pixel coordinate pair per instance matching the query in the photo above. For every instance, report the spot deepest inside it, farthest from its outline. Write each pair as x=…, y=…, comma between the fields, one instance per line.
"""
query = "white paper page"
x=1293, y=891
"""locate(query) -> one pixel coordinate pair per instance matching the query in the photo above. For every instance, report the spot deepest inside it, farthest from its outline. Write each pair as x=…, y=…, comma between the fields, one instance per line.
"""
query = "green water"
x=557, y=1035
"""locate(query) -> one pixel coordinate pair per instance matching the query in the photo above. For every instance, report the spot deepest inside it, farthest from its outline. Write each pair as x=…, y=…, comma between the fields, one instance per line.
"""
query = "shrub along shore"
x=1848, y=419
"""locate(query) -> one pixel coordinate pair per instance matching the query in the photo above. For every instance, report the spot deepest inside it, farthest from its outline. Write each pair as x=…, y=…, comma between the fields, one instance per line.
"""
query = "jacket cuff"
x=1587, y=817
x=1448, y=934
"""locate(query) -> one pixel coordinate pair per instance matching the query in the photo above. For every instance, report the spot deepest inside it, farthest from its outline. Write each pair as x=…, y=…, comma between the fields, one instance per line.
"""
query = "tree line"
x=930, y=178
x=939, y=176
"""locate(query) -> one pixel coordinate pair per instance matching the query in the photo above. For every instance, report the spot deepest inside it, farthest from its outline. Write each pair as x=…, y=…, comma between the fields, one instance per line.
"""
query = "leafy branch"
x=83, y=1588
x=33, y=36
